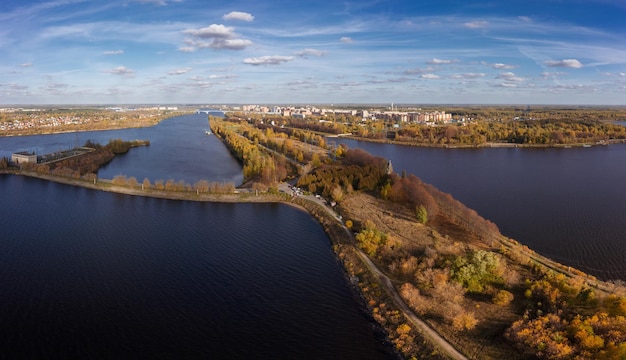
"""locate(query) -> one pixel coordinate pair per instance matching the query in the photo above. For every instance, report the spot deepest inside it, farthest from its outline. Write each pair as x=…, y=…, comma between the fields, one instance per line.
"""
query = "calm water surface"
x=179, y=149
x=568, y=204
x=88, y=274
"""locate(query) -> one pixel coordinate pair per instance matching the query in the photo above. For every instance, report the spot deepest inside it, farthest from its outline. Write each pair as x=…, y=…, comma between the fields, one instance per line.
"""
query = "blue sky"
x=411, y=51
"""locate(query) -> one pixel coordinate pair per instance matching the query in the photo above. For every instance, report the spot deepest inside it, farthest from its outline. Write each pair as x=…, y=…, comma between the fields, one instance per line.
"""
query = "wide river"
x=89, y=274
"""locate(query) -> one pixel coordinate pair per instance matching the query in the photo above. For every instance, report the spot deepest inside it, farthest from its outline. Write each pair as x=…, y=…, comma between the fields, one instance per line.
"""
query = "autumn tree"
x=370, y=239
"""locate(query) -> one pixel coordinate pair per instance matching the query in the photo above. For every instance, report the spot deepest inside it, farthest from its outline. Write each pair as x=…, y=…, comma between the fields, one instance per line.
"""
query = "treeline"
x=257, y=165
x=305, y=136
x=532, y=132
x=202, y=186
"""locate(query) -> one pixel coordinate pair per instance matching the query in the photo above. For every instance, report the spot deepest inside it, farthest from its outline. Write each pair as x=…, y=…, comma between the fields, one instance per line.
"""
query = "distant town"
x=16, y=119
x=416, y=116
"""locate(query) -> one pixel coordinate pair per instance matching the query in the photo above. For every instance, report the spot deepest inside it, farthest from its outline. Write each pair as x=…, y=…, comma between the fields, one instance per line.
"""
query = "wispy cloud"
x=436, y=61
x=467, y=76
x=113, y=52
x=430, y=76
x=238, y=15
x=310, y=52
x=551, y=75
x=122, y=71
x=180, y=71
x=418, y=70
x=268, y=60
x=346, y=40
x=26, y=65
x=570, y=63
x=476, y=24
x=509, y=76
x=499, y=66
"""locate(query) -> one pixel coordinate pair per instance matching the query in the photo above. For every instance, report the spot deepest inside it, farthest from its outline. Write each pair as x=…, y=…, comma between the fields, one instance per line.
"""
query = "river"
x=567, y=204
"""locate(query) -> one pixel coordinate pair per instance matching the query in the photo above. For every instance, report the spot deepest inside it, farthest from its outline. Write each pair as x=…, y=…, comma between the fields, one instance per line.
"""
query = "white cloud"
x=507, y=85
x=476, y=24
x=430, y=76
x=238, y=15
x=230, y=44
x=113, y=52
x=268, y=60
x=180, y=71
x=436, y=61
x=499, y=66
x=346, y=40
x=222, y=37
x=310, y=52
x=25, y=65
x=525, y=18
x=218, y=31
x=509, y=76
x=122, y=71
x=570, y=63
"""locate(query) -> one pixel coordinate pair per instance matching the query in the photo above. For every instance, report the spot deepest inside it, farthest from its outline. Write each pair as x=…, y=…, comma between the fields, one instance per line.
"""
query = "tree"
x=337, y=193
x=422, y=214
x=132, y=181
x=202, y=186
x=464, y=321
x=119, y=180
x=370, y=238
x=502, y=298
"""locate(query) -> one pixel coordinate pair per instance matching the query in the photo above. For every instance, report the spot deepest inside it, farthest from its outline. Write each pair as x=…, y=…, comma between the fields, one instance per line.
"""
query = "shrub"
x=502, y=298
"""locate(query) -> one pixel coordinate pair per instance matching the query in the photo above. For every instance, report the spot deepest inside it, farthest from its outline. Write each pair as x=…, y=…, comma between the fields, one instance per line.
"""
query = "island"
x=436, y=276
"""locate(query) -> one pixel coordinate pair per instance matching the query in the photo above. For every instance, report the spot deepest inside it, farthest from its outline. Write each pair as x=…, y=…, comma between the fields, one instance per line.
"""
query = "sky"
x=313, y=52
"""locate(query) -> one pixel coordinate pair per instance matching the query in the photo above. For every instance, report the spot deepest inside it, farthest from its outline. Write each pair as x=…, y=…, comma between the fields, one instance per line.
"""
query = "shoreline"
x=487, y=145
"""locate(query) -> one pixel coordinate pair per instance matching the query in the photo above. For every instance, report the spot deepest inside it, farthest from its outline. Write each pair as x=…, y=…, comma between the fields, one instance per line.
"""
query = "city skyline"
x=184, y=51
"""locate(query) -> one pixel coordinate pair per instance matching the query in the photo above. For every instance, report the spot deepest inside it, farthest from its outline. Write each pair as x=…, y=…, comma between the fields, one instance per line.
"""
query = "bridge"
x=208, y=111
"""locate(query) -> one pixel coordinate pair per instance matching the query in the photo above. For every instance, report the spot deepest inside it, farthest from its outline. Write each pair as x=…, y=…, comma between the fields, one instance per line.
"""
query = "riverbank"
x=485, y=145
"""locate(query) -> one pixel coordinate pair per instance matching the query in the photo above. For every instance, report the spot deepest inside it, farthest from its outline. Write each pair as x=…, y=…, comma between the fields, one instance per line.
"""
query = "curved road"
x=439, y=342
x=431, y=334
